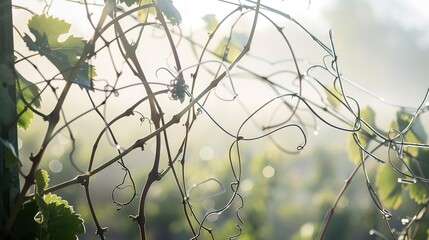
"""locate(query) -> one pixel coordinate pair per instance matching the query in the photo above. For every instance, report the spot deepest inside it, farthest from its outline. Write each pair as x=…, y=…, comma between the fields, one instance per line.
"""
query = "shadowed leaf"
x=143, y=14
x=64, y=55
x=331, y=97
x=388, y=188
x=26, y=93
x=229, y=49
x=42, y=180
x=129, y=2
x=170, y=11
x=211, y=22
x=353, y=149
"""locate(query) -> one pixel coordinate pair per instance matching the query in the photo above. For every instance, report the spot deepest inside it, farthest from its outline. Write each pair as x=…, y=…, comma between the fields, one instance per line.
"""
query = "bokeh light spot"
x=206, y=153
x=268, y=171
x=306, y=230
x=246, y=185
x=55, y=166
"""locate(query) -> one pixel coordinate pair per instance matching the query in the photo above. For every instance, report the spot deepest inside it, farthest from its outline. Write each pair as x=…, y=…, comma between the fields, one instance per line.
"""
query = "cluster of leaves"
x=405, y=168
x=27, y=94
x=389, y=180
x=47, y=216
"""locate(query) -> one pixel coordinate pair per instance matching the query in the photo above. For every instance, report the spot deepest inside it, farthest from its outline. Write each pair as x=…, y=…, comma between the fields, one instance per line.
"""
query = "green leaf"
x=29, y=91
x=416, y=133
x=48, y=217
x=170, y=11
x=65, y=226
x=59, y=221
x=24, y=226
x=64, y=55
x=143, y=14
x=418, y=192
x=7, y=107
x=367, y=114
x=331, y=95
x=42, y=180
x=84, y=76
x=11, y=157
x=26, y=92
x=211, y=22
x=129, y=2
x=388, y=188
x=43, y=215
x=63, y=222
x=230, y=49
x=57, y=200
x=353, y=150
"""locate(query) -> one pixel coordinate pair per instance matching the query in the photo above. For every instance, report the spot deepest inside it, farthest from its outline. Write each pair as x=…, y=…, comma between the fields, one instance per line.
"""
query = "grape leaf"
x=419, y=191
x=367, y=114
x=142, y=14
x=42, y=217
x=331, y=97
x=42, y=180
x=64, y=55
x=389, y=190
x=65, y=225
x=353, y=149
x=24, y=226
x=170, y=11
x=58, y=221
x=129, y=2
x=211, y=22
x=28, y=91
x=11, y=156
x=25, y=90
x=57, y=200
x=63, y=222
x=57, y=218
x=416, y=132
x=229, y=49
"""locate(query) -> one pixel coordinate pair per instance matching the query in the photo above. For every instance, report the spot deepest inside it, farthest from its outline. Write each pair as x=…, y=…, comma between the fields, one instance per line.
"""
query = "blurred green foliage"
x=289, y=205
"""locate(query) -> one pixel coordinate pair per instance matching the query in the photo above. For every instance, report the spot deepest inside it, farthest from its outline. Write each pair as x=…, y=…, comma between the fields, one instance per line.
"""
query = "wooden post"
x=9, y=177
